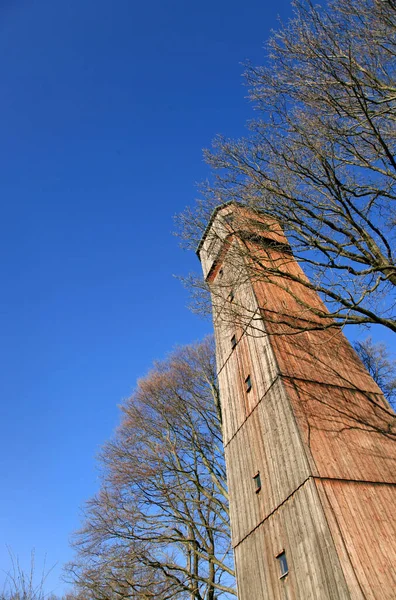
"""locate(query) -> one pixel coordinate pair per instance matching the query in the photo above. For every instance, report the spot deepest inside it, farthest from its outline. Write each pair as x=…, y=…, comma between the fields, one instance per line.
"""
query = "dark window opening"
x=248, y=383
x=229, y=218
x=221, y=273
x=231, y=296
x=284, y=568
x=233, y=342
x=257, y=482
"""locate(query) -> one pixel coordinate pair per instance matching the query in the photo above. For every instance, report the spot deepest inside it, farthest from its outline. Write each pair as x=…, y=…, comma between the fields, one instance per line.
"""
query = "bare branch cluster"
x=319, y=159
x=378, y=362
x=159, y=526
x=26, y=583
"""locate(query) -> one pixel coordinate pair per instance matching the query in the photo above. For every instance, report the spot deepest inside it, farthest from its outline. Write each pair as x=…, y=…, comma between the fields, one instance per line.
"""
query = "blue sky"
x=105, y=108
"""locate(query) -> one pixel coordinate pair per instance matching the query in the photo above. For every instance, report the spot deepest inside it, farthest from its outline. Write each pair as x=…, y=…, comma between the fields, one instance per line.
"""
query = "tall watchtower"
x=309, y=438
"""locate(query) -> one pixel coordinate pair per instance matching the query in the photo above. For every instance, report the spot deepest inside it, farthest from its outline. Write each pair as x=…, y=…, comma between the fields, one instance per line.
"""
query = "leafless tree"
x=378, y=362
x=103, y=571
x=159, y=526
x=25, y=584
x=319, y=159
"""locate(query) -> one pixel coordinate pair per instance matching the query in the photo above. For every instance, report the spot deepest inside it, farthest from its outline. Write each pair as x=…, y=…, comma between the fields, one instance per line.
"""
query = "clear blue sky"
x=105, y=108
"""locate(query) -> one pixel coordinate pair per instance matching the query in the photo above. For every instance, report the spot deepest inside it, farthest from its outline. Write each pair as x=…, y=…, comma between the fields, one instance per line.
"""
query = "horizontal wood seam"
x=253, y=410
x=273, y=511
x=312, y=478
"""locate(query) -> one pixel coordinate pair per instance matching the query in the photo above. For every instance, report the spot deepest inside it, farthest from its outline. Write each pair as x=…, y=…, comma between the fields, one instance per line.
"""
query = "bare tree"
x=159, y=526
x=25, y=584
x=378, y=362
x=103, y=571
x=319, y=160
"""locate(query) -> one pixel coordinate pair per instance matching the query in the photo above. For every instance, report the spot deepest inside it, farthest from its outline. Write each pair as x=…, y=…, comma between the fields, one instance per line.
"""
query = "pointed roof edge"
x=209, y=225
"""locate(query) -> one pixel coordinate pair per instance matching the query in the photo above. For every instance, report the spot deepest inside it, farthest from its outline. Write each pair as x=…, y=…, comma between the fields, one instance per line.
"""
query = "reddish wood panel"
x=346, y=431
x=363, y=525
x=318, y=355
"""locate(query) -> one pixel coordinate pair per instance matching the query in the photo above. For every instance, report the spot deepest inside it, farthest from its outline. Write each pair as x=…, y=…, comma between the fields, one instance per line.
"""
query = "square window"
x=233, y=342
x=248, y=383
x=284, y=568
x=257, y=482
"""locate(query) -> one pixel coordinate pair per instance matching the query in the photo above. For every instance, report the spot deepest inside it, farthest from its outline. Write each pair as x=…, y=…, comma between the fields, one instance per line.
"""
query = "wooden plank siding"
x=299, y=527
x=345, y=431
x=363, y=523
x=314, y=425
x=276, y=451
x=251, y=356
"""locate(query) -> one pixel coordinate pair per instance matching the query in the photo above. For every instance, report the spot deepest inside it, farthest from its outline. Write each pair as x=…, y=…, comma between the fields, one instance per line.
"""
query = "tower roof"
x=210, y=222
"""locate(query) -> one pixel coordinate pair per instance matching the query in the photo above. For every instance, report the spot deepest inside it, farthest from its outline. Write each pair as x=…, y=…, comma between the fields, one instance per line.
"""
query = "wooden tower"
x=309, y=438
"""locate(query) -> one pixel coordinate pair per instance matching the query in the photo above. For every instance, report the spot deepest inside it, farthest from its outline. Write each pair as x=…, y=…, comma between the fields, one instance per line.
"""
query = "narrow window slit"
x=233, y=342
x=257, y=482
x=283, y=566
x=248, y=383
